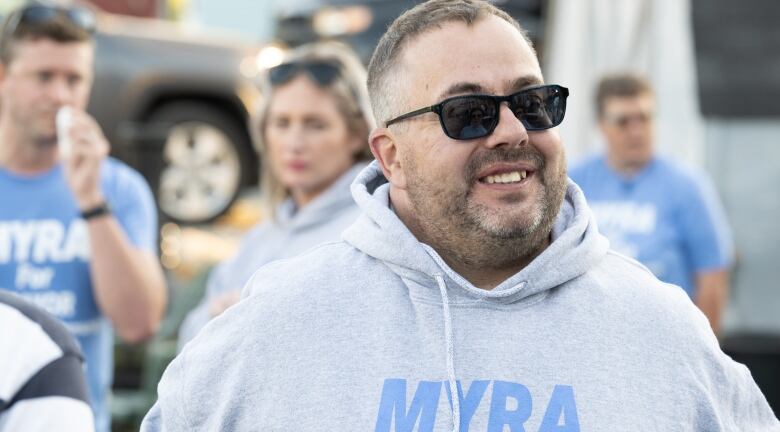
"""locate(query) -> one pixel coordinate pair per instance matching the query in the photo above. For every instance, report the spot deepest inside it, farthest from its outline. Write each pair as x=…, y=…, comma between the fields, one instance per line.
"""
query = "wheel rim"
x=202, y=172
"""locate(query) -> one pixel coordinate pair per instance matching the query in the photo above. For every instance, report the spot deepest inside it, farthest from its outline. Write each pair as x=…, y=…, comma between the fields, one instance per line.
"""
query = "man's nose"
x=636, y=126
x=60, y=92
x=509, y=130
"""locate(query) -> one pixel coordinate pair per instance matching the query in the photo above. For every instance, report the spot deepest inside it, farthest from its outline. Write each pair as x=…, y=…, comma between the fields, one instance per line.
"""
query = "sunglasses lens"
x=282, y=73
x=38, y=14
x=83, y=18
x=540, y=108
x=466, y=118
x=323, y=73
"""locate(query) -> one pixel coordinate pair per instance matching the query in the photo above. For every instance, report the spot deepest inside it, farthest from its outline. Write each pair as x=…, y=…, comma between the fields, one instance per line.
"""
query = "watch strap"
x=97, y=211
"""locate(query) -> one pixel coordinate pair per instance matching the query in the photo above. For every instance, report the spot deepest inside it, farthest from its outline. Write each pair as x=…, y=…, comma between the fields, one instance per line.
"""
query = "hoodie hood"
x=576, y=245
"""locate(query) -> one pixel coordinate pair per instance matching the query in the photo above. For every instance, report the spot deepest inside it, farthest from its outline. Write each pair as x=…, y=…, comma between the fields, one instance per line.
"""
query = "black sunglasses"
x=321, y=72
x=39, y=14
x=475, y=116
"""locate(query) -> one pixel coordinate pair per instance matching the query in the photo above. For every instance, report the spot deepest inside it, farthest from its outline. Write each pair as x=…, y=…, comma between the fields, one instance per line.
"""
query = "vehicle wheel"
x=207, y=158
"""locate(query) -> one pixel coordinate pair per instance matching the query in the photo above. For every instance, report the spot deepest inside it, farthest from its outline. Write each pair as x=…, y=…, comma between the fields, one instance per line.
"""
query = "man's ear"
x=384, y=146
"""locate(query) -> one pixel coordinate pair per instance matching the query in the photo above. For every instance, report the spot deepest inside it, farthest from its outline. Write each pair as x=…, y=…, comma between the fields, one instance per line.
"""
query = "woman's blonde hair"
x=350, y=93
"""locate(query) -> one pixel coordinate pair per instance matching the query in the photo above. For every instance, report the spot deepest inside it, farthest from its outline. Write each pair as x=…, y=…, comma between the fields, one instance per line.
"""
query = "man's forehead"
x=509, y=85
x=642, y=101
x=45, y=43
x=489, y=56
x=44, y=51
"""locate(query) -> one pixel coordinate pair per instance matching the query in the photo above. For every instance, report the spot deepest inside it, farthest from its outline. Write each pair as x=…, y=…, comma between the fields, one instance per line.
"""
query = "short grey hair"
x=382, y=85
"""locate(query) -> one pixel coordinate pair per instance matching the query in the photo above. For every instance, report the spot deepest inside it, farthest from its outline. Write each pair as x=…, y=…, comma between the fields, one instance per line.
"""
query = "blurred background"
x=176, y=82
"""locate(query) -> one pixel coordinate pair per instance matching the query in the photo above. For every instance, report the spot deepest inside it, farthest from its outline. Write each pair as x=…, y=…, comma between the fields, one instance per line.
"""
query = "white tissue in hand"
x=64, y=121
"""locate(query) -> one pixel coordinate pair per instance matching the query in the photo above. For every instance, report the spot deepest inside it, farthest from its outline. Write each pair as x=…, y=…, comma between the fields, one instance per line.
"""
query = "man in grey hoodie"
x=474, y=293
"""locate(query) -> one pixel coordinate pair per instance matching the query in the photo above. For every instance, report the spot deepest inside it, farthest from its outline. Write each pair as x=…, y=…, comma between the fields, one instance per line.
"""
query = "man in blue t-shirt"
x=78, y=229
x=661, y=213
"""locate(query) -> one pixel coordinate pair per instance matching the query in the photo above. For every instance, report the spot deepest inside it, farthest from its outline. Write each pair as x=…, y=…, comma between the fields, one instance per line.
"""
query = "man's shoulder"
x=123, y=184
x=35, y=337
x=17, y=311
x=282, y=299
x=629, y=285
x=624, y=297
x=117, y=173
x=115, y=166
x=679, y=172
x=327, y=267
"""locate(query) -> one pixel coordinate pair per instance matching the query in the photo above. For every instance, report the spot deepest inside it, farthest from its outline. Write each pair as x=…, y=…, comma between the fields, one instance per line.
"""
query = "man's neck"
x=489, y=278
x=20, y=156
x=480, y=275
x=624, y=168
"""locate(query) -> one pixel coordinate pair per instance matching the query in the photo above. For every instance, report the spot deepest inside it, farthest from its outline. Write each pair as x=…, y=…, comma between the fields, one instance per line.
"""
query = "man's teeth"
x=510, y=177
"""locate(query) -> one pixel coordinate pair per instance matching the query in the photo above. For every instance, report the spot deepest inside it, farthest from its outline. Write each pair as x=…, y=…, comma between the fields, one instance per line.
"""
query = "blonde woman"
x=312, y=135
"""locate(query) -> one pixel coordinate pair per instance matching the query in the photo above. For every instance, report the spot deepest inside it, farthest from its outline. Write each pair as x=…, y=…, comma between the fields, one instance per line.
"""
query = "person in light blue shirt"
x=658, y=211
x=78, y=229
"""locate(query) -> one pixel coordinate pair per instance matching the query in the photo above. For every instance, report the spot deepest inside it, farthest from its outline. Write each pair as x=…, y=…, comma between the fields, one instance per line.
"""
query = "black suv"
x=176, y=106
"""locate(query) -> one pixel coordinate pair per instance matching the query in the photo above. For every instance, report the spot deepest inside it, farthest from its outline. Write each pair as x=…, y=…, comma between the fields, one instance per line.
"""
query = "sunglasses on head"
x=40, y=14
x=321, y=72
x=475, y=116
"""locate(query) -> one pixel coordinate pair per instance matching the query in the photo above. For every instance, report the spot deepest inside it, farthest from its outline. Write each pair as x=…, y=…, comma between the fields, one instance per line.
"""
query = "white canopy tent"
x=587, y=38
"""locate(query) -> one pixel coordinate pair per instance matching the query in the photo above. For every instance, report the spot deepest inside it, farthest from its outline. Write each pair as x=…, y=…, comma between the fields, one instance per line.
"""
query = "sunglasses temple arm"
x=412, y=114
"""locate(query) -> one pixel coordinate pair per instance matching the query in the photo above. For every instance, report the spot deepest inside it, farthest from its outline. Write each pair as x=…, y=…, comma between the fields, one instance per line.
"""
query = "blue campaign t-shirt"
x=667, y=216
x=45, y=254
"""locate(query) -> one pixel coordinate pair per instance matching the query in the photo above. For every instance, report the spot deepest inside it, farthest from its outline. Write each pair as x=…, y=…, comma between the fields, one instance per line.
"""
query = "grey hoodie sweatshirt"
x=373, y=332
x=290, y=233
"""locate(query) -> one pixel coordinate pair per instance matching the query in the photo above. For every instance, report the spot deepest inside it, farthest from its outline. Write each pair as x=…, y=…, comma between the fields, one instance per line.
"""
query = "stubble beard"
x=44, y=142
x=32, y=131
x=474, y=235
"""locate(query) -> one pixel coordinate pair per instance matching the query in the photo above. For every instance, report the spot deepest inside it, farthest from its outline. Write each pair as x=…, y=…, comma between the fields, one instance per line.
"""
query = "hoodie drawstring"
x=454, y=397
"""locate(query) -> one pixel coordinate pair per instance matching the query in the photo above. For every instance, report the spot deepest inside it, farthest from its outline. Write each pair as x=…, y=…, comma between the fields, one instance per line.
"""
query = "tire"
x=207, y=158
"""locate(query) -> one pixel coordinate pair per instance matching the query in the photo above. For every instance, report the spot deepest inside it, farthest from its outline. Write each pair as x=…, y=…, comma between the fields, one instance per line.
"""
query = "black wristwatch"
x=97, y=211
